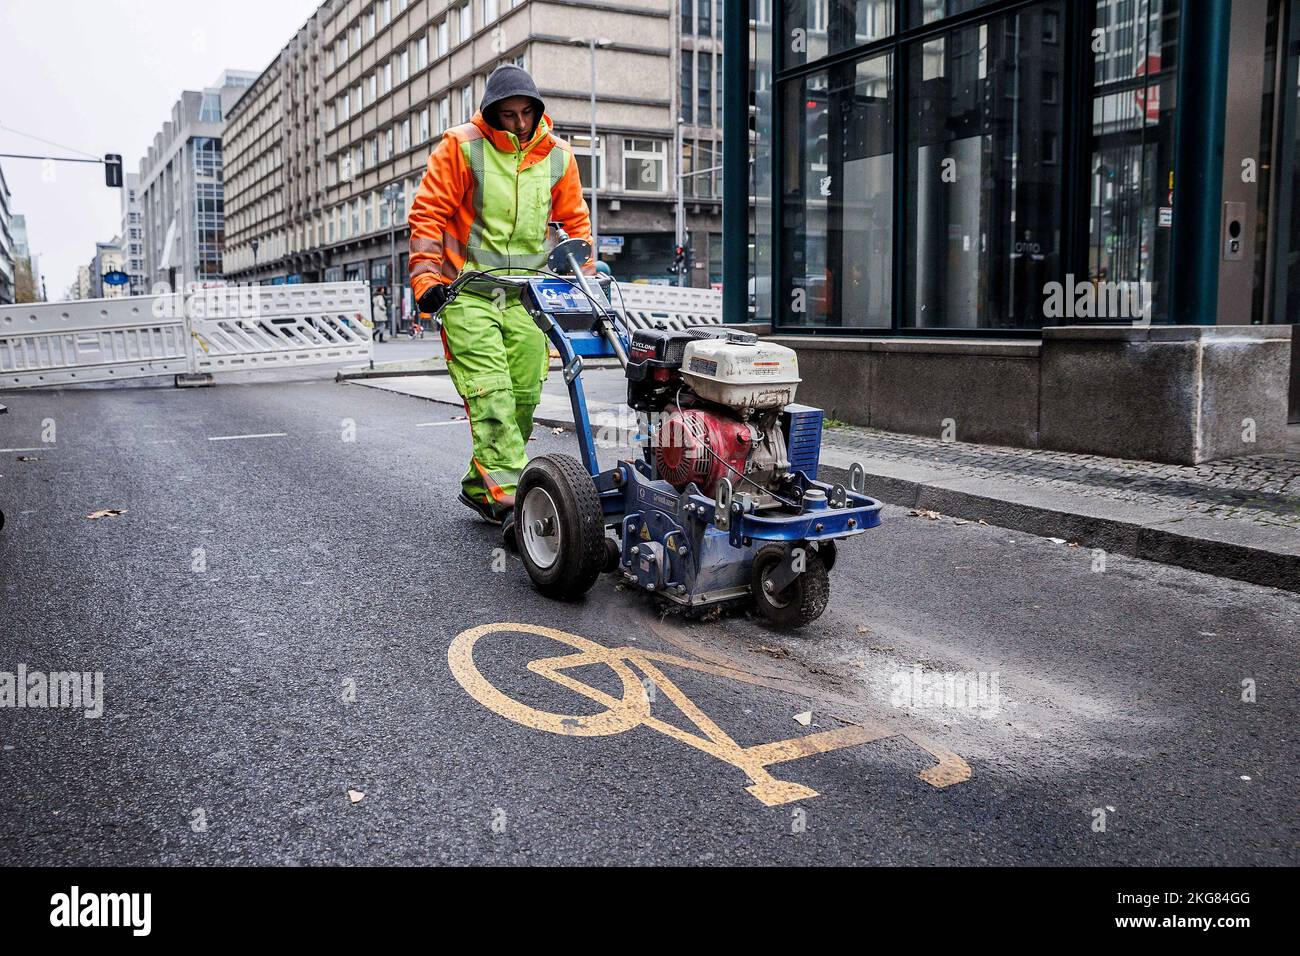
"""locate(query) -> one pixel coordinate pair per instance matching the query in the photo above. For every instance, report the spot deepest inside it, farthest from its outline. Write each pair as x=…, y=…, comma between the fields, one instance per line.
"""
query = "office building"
x=179, y=188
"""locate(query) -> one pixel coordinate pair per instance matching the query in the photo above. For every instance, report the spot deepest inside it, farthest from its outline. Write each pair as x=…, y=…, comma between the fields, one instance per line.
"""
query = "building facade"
x=325, y=150
x=132, y=235
x=27, y=269
x=179, y=189
x=108, y=259
x=7, y=275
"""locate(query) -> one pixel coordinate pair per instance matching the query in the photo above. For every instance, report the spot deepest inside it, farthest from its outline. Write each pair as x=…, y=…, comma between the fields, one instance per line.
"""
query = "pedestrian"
x=379, y=314
x=491, y=189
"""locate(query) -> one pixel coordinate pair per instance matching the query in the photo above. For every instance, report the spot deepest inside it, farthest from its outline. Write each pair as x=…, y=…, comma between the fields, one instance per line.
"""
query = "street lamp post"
x=681, y=202
x=591, y=43
x=392, y=193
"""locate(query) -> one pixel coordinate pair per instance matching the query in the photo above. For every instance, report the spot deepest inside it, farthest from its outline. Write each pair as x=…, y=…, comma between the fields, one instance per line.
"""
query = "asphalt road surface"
x=308, y=657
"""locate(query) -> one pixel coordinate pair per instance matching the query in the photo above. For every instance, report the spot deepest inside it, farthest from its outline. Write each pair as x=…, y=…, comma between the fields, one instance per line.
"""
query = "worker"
x=491, y=188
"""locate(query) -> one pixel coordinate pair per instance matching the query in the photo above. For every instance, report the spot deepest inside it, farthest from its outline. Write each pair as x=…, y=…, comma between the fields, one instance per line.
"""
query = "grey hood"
x=505, y=82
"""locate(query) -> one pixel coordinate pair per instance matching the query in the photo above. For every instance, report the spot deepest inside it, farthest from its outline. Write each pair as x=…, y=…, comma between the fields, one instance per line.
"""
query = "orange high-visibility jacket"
x=486, y=200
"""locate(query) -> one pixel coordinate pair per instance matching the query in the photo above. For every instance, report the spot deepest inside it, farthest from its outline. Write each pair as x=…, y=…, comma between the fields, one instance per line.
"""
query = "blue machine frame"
x=684, y=545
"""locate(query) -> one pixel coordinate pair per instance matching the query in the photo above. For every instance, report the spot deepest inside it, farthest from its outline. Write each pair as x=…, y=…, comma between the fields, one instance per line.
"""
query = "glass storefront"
x=939, y=163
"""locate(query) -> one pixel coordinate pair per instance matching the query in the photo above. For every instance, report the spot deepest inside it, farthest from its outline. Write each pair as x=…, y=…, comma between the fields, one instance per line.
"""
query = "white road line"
x=5, y=451
x=457, y=421
x=238, y=437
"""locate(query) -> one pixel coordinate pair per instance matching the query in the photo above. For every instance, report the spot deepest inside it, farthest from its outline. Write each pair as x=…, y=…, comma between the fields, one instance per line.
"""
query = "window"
x=387, y=75
x=819, y=29
x=424, y=125
x=704, y=68
x=466, y=103
x=374, y=151
x=1131, y=165
x=403, y=66
x=210, y=111
x=643, y=165
x=372, y=89
x=490, y=11
x=465, y=19
x=388, y=143
x=385, y=12
x=442, y=34
x=358, y=160
x=582, y=155
x=370, y=24
x=406, y=134
x=836, y=252
x=444, y=114
x=984, y=209
x=687, y=91
x=422, y=52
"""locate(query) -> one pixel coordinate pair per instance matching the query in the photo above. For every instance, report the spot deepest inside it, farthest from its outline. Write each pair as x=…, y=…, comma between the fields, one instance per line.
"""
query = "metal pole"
x=681, y=203
x=392, y=263
x=595, y=202
x=1198, y=164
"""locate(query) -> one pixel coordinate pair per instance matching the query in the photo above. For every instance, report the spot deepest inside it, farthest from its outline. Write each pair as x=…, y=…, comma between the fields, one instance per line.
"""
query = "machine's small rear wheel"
x=803, y=600
x=559, y=526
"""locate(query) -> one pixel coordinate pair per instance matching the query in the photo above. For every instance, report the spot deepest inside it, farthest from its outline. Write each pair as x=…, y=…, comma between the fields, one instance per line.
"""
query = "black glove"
x=434, y=299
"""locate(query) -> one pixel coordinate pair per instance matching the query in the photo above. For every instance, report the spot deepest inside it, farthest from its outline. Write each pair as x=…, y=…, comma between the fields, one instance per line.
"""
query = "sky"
x=101, y=76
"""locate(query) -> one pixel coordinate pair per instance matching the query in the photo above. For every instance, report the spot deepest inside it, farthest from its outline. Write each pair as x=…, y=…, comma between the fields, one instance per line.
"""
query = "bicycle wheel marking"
x=633, y=710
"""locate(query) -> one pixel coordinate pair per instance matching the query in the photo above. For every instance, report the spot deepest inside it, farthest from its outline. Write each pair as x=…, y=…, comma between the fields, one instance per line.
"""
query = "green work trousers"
x=498, y=359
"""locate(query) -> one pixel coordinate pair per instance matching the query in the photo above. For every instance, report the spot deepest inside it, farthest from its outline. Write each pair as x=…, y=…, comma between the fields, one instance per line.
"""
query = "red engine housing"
x=692, y=445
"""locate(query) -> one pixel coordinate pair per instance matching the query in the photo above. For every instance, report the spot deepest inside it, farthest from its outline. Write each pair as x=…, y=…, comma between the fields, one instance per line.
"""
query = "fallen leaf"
x=926, y=513
x=863, y=630
x=106, y=513
x=1057, y=540
x=983, y=522
x=803, y=719
x=28, y=458
x=777, y=652
x=356, y=796
x=557, y=431
x=960, y=521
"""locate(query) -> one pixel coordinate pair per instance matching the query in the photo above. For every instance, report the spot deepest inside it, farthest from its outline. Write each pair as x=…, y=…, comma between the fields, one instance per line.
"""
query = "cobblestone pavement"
x=1263, y=488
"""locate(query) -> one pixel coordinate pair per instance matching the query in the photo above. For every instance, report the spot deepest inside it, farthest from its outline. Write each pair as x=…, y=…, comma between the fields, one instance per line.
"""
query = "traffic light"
x=679, y=258
x=113, y=171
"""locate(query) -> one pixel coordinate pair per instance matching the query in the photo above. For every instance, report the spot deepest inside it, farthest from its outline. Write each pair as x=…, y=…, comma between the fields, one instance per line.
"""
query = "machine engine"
x=717, y=401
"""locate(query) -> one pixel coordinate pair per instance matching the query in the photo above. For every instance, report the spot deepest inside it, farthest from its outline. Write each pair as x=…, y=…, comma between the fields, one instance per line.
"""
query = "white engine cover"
x=744, y=374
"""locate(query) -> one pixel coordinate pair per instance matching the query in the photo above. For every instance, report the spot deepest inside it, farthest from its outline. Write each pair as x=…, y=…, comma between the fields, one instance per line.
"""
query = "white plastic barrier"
x=92, y=340
x=653, y=306
x=248, y=327
x=203, y=330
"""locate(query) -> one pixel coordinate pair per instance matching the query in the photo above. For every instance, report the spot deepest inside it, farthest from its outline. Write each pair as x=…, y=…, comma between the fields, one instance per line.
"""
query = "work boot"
x=493, y=514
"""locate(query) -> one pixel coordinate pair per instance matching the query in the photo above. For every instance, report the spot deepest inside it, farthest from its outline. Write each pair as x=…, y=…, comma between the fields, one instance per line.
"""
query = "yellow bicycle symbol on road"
x=633, y=710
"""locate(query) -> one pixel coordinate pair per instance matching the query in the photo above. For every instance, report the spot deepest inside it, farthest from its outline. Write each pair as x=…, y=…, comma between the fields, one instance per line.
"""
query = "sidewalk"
x=1238, y=518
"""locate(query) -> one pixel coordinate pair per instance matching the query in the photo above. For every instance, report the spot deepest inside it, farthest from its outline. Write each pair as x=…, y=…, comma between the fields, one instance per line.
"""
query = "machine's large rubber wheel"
x=559, y=527
x=803, y=601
